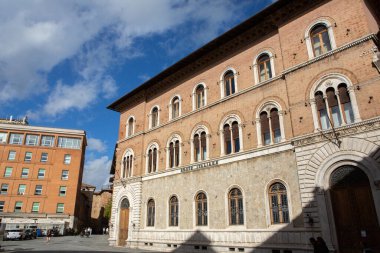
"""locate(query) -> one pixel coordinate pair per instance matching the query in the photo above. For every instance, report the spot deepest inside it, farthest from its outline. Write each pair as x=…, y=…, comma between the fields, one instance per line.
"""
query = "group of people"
x=319, y=245
x=86, y=232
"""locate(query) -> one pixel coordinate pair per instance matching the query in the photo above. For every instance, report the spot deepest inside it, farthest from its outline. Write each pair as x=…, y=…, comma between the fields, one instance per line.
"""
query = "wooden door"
x=355, y=217
x=123, y=222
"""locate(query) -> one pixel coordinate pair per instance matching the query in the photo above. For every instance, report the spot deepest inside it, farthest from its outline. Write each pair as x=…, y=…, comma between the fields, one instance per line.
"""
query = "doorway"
x=354, y=211
x=123, y=222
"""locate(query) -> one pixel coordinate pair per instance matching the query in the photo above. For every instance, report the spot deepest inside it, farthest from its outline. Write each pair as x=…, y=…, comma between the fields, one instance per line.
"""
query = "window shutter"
x=264, y=122
x=203, y=139
x=319, y=101
x=331, y=98
x=274, y=119
x=343, y=95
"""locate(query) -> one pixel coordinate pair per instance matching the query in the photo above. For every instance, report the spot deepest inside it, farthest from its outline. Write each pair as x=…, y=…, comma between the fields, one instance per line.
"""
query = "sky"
x=63, y=62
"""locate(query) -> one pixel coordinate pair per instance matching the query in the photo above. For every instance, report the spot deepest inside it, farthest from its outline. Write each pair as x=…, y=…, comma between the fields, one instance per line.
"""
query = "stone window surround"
x=327, y=24
x=229, y=120
x=127, y=126
x=256, y=69
x=173, y=139
x=128, y=152
x=151, y=119
x=198, y=130
x=171, y=107
x=194, y=95
x=151, y=146
x=221, y=82
x=327, y=81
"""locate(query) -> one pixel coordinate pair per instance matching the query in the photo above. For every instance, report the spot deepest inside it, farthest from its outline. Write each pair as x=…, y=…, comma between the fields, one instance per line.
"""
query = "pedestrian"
x=48, y=235
x=90, y=230
x=322, y=245
x=314, y=244
x=104, y=231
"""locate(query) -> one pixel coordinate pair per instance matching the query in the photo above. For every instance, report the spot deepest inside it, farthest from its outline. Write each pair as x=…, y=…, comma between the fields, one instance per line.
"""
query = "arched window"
x=130, y=126
x=150, y=213
x=127, y=164
x=175, y=107
x=152, y=158
x=201, y=209
x=231, y=136
x=124, y=204
x=174, y=149
x=333, y=102
x=229, y=83
x=320, y=40
x=269, y=125
x=200, y=100
x=264, y=67
x=200, y=148
x=278, y=199
x=173, y=211
x=154, y=117
x=236, y=210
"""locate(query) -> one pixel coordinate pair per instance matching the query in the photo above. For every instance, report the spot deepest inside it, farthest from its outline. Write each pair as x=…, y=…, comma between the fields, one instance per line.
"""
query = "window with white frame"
x=127, y=164
x=263, y=67
x=199, y=144
x=38, y=190
x=175, y=107
x=25, y=173
x=67, y=159
x=231, y=135
x=2, y=203
x=60, y=208
x=3, y=137
x=11, y=155
x=65, y=175
x=41, y=173
x=152, y=158
x=35, y=207
x=47, y=141
x=8, y=171
x=66, y=142
x=16, y=139
x=28, y=156
x=228, y=83
x=130, y=126
x=199, y=96
x=31, y=140
x=44, y=157
x=62, y=191
x=174, y=152
x=18, y=207
x=154, y=117
x=4, y=189
x=319, y=38
x=333, y=102
x=21, y=189
x=269, y=124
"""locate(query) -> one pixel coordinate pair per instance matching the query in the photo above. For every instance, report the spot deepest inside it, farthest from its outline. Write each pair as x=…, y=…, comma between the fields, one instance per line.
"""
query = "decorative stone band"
x=325, y=135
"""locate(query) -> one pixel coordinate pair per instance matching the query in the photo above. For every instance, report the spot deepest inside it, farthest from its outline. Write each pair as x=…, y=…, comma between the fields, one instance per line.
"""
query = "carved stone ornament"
x=329, y=83
x=356, y=128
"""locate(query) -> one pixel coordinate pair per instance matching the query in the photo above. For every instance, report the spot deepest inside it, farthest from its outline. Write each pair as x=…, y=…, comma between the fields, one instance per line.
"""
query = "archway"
x=123, y=222
x=354, y=211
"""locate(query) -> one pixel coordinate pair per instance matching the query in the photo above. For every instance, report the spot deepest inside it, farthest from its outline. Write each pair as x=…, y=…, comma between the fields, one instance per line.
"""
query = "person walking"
x=48, y=235
x=104, y=231
x=90, y=230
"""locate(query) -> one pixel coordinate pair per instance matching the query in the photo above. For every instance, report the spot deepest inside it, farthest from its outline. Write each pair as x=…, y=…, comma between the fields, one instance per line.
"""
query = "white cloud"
x=97, y=145
x=96, y=171
x=37, y=35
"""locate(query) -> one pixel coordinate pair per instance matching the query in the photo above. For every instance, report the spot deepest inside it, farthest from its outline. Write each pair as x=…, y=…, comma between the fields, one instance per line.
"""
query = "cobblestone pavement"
x=96, y=243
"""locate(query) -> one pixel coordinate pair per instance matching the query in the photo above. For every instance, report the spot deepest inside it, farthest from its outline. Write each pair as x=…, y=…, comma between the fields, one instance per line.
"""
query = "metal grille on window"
x=173, y=211
x=201, y=203
x=278, y=204
x=236, y=207
x=227, y=139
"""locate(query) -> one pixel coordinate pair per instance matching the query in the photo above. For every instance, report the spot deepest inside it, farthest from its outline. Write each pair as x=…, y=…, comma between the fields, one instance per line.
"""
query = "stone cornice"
x=28, y=128
x=327, y=135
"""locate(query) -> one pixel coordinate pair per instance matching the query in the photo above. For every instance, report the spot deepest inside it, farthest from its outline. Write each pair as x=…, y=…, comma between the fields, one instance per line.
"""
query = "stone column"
x=340, y=109
x=315, y=114
x=282, y=129
x=258, y=132
x=354, y=104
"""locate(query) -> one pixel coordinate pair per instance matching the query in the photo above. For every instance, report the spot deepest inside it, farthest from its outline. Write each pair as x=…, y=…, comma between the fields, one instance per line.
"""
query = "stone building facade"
x=41, y=170
x=259, y=139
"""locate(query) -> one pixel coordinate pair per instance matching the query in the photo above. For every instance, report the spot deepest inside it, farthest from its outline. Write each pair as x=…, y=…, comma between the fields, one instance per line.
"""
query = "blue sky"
x=63, y=62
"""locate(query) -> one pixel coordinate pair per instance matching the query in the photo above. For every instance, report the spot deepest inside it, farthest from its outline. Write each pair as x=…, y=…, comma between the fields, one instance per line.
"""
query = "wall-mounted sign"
x=199, y=166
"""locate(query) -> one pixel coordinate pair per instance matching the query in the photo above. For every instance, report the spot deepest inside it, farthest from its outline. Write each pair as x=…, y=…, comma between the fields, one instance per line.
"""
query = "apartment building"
x=261, y=139
x=41, y=172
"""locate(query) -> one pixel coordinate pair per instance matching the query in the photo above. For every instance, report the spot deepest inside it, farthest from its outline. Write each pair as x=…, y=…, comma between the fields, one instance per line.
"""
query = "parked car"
x=27, y=234
x=13, y=234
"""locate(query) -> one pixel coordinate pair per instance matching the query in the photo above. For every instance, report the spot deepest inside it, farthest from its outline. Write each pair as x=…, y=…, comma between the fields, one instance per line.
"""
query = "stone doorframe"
x=355, y=152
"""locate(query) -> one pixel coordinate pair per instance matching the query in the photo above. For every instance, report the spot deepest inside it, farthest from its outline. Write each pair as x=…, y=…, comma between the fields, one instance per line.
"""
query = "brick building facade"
x=40, y=175
x=254, y=140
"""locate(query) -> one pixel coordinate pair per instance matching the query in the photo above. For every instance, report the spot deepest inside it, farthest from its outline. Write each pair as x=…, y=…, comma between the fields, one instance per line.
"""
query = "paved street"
x=96, y=243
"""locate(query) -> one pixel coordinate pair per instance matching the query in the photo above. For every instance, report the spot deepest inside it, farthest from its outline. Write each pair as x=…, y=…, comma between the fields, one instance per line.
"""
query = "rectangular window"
x=11, y=155
x=4, y=189
x=21, y=189
x=65, y=142
x=36, y=207
x=67, y=159
x=38, y=190
x=24, y=173
x=44, y=157
x=47, y=141
x=8, y=172
x=2, y=206
x=18, y=206
x=16, y=139
x=28, y=156
x=60, y=207
x=41, y=173
x=31, y=140
x=65, y=175
x=62, y=191
x=3, y=137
